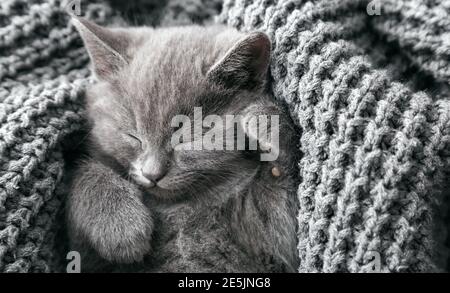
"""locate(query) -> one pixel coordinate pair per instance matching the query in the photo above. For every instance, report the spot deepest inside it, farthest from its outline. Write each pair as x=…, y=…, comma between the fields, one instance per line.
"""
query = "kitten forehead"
x=168, y=69
x=177, y=57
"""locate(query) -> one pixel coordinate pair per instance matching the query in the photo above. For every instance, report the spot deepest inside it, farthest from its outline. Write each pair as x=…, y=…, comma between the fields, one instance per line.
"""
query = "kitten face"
x=146, y=77
x=139, y=137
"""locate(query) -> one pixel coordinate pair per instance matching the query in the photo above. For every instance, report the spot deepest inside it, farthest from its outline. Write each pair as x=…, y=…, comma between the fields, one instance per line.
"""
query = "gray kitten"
x=137, y=200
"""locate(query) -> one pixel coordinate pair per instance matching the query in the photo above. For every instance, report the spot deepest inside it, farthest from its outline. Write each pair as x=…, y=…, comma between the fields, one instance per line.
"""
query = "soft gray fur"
x=136, y=200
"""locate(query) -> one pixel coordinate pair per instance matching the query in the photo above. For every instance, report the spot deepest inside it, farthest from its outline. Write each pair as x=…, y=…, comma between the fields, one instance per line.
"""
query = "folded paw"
x=123, y=235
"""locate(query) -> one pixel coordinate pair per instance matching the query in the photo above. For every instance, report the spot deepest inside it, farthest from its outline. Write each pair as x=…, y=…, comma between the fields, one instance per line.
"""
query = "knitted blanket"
x=374, y=149
x=370, y=92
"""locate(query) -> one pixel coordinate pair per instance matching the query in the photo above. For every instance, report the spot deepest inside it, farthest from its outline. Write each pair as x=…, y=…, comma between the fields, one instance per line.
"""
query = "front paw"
x=123, y=234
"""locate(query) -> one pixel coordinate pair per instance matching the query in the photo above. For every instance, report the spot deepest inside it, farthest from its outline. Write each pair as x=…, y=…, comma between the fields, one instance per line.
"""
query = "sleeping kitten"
x=137, y=199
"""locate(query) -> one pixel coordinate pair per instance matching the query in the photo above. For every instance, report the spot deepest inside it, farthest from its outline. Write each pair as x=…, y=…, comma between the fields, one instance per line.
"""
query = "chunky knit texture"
x=374, y=150
x=42, y=73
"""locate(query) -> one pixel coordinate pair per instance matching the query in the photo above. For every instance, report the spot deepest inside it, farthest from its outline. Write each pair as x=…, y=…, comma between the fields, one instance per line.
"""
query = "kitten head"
x=146, y=77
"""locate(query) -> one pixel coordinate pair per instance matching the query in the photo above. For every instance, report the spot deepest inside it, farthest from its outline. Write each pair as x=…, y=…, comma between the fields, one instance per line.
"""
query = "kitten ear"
x=106, y=47
x=261, y=123
x=245, y=65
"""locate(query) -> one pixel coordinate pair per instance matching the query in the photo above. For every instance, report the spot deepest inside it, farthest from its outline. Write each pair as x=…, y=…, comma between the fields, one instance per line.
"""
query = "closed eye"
x=135, y=138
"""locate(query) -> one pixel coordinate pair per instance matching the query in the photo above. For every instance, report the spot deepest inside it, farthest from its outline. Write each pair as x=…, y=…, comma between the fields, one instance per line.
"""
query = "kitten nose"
x=155, y=175
x=154, y=170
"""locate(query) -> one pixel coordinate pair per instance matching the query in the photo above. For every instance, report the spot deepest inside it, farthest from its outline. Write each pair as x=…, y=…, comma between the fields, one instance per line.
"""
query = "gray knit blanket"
x=368, y=82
